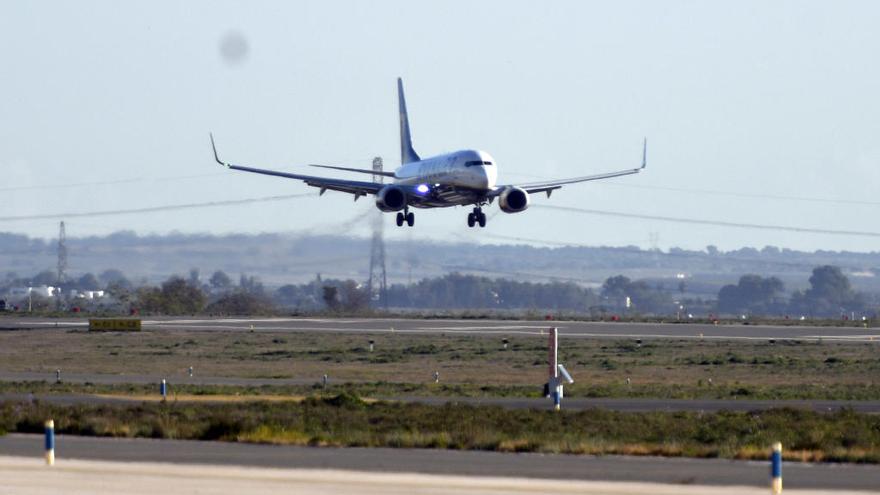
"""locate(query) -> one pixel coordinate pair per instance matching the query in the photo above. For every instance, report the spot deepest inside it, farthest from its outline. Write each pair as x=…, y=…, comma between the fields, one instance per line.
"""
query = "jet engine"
x=390, y=198
x=513, y=200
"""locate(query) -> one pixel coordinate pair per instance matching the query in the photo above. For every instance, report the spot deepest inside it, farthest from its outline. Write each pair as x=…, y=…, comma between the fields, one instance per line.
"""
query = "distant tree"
x=88, y=282
x=121, y=291
x=643, y=297
x=830, y=294
x=616, y=288
x=113, y=277
x=175, y=297
x=753, y=294
x=251, y=285
x=45, y=277
x=220, y=280
x=194, y=277
x=241, y=303
x=331, y=297
x=354, y=297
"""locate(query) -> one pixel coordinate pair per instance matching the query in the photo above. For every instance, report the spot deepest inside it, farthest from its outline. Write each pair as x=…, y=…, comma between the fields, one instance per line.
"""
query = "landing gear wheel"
x=410, y=219
x=471, y=220
x=400, y=219
x=482, y=219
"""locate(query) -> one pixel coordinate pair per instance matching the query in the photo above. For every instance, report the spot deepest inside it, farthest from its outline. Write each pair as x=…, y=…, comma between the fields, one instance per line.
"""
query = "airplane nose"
x=488, y=176
x=483, y=178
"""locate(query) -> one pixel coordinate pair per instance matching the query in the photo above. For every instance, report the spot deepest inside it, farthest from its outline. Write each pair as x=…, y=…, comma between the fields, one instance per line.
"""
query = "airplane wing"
x=358, y=188
x=550, y=186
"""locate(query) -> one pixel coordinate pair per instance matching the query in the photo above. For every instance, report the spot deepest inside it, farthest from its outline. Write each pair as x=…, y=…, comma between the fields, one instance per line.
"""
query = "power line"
x=735, y=194
x=107, y=182
x=716, y=223
x=153, y=209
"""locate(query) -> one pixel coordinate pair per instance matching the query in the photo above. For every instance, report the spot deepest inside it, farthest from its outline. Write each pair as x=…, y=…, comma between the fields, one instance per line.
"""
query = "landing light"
x=422, y=188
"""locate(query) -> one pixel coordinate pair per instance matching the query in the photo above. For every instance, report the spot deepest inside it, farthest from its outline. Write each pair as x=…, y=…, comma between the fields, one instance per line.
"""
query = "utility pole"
x=62, y=255
x=377, y=282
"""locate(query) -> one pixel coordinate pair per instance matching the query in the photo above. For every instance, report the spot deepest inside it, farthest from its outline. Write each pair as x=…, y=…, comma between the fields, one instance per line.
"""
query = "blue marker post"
x=50, y=442
x=163, y=389
x=776, y=469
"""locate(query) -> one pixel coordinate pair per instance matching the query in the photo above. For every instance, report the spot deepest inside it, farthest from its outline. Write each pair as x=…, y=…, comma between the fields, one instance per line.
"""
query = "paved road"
x=28, y=476
x=610, y=330
x=623, y=405
x=561, y=467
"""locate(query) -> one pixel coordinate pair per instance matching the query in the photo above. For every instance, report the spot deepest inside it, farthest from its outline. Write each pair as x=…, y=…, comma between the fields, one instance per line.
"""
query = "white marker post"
x=163, y=389
x=554, y=384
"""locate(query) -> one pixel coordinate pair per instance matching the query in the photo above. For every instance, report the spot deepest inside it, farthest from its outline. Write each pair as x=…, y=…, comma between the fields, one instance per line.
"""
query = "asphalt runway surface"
x=28, y=476
x=714, y=472
x=501, y=328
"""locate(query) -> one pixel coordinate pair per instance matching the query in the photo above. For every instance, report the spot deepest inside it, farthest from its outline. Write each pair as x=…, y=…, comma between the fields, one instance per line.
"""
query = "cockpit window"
x=476, y=163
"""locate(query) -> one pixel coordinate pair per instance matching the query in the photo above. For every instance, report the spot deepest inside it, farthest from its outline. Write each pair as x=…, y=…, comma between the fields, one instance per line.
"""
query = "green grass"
x=469, y=365
x=345, y=420
x=391, y=390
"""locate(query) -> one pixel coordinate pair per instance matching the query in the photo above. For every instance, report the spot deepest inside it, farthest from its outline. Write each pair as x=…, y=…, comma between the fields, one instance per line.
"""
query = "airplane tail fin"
x=407, y=153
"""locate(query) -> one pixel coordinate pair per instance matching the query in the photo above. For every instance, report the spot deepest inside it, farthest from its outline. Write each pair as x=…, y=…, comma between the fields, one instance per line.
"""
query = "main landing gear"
x=477, y=217
x=406, y=216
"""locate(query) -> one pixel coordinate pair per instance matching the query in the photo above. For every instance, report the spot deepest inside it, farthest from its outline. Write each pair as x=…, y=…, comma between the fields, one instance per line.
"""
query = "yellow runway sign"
x=114, y=325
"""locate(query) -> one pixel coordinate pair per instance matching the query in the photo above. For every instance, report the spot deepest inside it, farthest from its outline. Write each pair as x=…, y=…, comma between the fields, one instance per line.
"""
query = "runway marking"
x=522, y=330
x=351, y=330
x=808, y=338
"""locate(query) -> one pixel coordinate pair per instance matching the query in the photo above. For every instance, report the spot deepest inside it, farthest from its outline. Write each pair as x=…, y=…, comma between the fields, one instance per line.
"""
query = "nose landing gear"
x=476, y=217
x=406, y=216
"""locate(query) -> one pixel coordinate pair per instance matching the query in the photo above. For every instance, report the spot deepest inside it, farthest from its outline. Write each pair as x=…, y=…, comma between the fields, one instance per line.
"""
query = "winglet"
x=645, y=153
x=216, y=156
x=407, y=153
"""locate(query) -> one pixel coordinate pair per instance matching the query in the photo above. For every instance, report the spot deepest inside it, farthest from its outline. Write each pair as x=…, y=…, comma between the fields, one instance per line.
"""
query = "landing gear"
x=476, y=217
x=406, y=216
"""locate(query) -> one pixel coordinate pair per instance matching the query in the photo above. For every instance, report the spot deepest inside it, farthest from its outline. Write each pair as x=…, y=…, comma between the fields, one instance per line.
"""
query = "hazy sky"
x=752, y=98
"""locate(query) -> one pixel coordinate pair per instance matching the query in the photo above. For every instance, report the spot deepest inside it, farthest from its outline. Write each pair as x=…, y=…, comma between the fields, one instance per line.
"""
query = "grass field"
x=468, y=365
x=345, y=420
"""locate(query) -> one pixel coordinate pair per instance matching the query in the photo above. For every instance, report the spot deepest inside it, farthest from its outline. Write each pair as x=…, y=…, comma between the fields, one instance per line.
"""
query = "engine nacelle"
x=390, y=198
x=513, y=200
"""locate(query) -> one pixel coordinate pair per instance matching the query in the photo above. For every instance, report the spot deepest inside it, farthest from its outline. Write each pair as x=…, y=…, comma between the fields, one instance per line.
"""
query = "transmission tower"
x=377, y=283
x=62, y=255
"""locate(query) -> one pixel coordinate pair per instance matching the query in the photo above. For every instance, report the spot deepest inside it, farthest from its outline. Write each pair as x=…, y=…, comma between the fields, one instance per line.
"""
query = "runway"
x=28, y=477
x=674, y=472
x=571, y=329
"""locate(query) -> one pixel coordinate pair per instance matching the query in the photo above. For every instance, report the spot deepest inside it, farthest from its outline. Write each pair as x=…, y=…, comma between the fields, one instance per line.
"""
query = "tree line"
x=829, y=295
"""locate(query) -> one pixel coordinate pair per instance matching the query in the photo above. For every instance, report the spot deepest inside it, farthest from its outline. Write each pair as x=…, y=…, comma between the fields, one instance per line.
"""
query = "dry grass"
x=345, y=420
x=662, y=368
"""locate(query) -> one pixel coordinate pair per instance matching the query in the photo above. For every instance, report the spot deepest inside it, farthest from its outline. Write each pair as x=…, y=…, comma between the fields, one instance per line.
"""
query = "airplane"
x=461, y=178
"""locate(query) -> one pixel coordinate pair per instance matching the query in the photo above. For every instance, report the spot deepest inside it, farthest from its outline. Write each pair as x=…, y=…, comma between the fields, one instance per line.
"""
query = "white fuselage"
x=470, y=169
